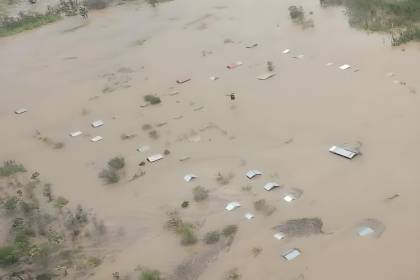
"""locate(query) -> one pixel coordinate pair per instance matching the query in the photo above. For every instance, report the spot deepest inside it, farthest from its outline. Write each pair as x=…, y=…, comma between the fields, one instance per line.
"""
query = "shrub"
x=200, y=193
x=117, y=163
x=8, y=256
x=230, y=230
x=93, y=261
x=212, y=237
x=146, y=127
x=10, y=167
x=152, y=99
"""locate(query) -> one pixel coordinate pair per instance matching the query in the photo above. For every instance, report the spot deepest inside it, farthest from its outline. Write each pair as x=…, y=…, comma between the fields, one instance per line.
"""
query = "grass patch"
x=10, y=168
x=150, y=274
x=264, y=207
x=8, y=256
x=211, y=237
x=183, y=229
x=26, y=21
x=200, y=193
x=96, y=4
x=152, y=99
x=399, y=18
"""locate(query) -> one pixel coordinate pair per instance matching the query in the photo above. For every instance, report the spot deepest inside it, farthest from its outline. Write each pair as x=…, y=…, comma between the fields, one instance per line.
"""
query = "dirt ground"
x=73, y=72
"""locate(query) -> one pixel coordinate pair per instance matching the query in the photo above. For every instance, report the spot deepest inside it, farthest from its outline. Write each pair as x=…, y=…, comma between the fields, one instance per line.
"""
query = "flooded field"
x=278, y=108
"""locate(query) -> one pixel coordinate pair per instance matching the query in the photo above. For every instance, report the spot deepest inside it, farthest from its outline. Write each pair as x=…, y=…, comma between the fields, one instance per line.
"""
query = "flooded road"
x=73, y=72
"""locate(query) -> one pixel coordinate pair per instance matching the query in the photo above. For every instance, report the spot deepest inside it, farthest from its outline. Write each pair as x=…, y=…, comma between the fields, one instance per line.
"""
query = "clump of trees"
x=112, y=173
x=41, y=229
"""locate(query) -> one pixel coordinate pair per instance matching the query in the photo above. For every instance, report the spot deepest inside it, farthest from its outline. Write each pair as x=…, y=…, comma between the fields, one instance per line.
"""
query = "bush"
x=200, y=193
x=93, y=261
x=150, y=274
x=10, y=167
x=188, y=236
x=212, y=237
x=230, y=230
x=296, y=12
x=153, y=134
x=8, y=256
x=152, y=99
x=110, y=176
x=117, y=163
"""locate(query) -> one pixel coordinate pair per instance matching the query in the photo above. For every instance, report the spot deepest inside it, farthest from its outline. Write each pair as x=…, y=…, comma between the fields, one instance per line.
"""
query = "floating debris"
x=184, y=158
x=174, y=93
x=300, y=56
x=213, y=78
x=329, y=64
x=76, y=133
x=195, y=138
x=343, y=152
x=155, y=157
x=143, y=149
x=390, y=74
x=279, y=235
x=21, y=111
x=266, y=76
x=286, y=51
x=234, y=65
x=252, y=173
x=271, y=185
x=249, y=216
x=182, y=81
x=97, y=123
x=190, y=177
x=344, y=67
x=232, y=205
x=96, y=139
x=289, y=197
x=251, y=46
x=291, y=254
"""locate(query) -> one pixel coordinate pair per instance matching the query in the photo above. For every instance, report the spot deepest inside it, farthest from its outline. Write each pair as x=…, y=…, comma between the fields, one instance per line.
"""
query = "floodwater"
x=72, y=72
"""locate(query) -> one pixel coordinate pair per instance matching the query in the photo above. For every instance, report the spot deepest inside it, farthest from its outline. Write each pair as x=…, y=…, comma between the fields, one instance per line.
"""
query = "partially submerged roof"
x=97, y=123
x=343, y=152
x=344, y=67
x=249, y=216
x=266, y=76
x=143, y=149
x=232, y=205
x=96, y=138
x=271, y=185
x=252, y=173
x=365, y=231
x=75, y=133
x=279, y=235
x=21, y=111
x=291, y=254
x=190, y=177
x=155, y=157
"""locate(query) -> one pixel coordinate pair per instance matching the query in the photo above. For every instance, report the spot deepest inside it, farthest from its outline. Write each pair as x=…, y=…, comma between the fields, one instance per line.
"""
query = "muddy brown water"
x=315, y=105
